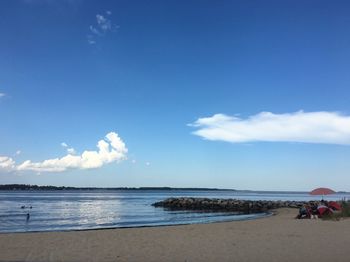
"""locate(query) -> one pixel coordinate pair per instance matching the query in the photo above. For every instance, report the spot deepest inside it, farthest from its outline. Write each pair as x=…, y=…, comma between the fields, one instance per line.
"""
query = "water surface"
x=77, y=210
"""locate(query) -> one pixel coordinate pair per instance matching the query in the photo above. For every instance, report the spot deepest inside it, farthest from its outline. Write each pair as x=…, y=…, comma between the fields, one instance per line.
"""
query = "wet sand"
x=276, y=238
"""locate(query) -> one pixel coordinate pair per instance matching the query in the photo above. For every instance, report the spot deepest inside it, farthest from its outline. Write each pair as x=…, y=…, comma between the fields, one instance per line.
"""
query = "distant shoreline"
x=266, y=214
x=24, y=187
x=54, y=188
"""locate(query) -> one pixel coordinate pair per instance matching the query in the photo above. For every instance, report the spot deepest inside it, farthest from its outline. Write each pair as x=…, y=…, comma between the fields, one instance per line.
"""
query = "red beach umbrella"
x=322, y=191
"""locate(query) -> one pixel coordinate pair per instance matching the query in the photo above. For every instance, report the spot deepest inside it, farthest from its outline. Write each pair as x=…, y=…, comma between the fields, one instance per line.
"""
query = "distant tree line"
x=36, y=187
x=32, y=187
x=54, y=188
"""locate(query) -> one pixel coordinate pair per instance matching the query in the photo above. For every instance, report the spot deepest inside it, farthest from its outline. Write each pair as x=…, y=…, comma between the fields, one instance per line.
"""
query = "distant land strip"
x=36, y=187
x=25, y=187
x=15, y=187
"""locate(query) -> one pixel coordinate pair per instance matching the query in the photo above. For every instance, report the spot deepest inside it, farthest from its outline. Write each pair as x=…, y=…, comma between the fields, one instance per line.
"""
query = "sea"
x=98, y=209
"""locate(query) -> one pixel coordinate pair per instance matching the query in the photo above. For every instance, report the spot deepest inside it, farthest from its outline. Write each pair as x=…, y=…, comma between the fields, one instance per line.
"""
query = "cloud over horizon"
x=305, y=127
x=6, y=163
x=110, y=149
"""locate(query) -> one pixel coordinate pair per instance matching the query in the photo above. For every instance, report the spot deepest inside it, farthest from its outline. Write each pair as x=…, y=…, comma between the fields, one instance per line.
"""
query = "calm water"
x=74, y=210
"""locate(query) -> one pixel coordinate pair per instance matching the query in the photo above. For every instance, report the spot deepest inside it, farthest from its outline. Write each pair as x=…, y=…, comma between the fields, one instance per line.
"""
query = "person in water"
x=28, y=216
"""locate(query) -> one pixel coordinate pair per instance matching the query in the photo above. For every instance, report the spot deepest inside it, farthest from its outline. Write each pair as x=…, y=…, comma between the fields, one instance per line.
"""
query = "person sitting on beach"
x=314, y=211
x=304, y=212
x=323, y=203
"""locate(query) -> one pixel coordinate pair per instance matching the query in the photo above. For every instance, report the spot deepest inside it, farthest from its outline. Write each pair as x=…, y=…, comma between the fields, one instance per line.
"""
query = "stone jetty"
x=225, y=205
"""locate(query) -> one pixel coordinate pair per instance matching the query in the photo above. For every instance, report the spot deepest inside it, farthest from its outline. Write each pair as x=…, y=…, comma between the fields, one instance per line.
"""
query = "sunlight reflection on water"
x=77, y=210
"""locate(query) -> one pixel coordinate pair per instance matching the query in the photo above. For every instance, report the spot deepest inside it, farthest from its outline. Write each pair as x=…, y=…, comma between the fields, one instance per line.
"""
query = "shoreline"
x=266, y=215
x=279, y=237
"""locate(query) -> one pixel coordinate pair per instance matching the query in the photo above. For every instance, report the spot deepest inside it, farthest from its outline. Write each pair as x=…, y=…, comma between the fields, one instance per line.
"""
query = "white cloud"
x=7, y=163
x=148, y=163
x=111, y=149
x=306, y=127
x=71, y=151
x=63, y=144
x=2, y=95
x=18, y=152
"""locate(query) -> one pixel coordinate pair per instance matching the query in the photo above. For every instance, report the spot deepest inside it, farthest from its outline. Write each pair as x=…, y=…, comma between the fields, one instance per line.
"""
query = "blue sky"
x=74, y=71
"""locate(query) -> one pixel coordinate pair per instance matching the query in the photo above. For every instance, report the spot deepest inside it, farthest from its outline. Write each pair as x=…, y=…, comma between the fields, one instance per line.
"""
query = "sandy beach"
x=276, y=238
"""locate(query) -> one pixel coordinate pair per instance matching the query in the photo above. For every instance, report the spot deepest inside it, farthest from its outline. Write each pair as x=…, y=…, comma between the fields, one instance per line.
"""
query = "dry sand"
x=276, y=238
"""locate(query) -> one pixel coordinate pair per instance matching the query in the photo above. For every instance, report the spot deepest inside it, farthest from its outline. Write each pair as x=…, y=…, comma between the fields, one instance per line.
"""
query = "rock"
x=225, y=205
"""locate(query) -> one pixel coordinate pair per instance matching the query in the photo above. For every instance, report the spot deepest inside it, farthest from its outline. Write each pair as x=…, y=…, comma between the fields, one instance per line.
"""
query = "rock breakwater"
x=225, y=205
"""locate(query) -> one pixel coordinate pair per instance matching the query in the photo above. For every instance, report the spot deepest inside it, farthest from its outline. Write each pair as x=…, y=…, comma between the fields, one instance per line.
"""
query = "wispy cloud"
x=95, y=31
x=305, y=127
x=110, y=149
x=2, y=95
x=103, y=26
x=104, y=23
x=91, y=40
x=70, y=150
